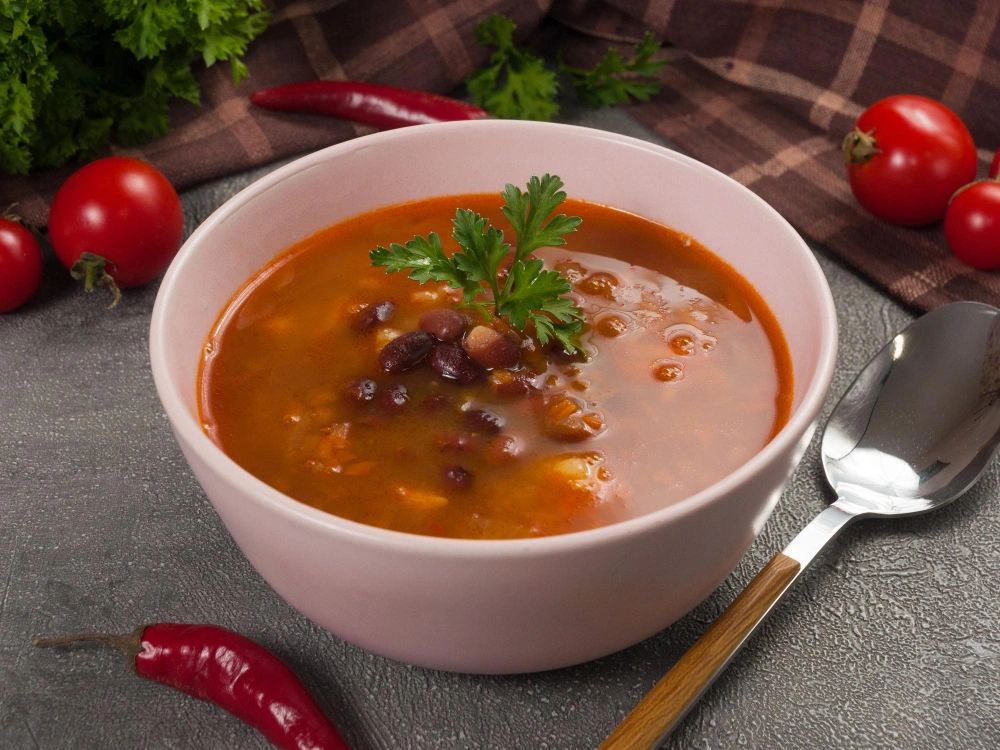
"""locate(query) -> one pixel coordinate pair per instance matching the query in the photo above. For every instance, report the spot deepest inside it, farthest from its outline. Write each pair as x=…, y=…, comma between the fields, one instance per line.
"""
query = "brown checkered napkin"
x=764, y=90
x=760, y=89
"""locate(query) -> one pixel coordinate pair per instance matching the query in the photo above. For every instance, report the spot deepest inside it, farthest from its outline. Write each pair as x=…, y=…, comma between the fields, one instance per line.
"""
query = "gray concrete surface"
x=890, y=641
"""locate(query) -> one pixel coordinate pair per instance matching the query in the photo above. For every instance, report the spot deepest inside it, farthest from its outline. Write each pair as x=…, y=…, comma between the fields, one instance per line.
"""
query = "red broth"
x=688, y=377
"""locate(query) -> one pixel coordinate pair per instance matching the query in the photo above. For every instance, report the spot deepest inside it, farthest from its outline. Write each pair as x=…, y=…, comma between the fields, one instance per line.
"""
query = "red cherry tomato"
x=906, y=157
x=995, y=166
x=20, y=265
x=972, y=225
x=116, y=222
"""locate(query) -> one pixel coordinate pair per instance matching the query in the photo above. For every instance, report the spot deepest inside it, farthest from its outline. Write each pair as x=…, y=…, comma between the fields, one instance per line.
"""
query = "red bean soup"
x=383, y=401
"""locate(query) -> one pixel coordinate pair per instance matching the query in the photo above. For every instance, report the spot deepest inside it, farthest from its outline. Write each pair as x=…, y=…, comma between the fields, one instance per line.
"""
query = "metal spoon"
x=914, y=431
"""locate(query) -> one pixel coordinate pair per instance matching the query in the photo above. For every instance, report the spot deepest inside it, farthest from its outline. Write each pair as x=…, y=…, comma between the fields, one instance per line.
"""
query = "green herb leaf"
x=613, y=81
x=496, y=31
x=484, y=249
x=426, y=261
x=515, y=84
x=529, y=287
x=564, y=333
x=75, y=74
x=536, y=295
x=530, y=293
x=527, y=211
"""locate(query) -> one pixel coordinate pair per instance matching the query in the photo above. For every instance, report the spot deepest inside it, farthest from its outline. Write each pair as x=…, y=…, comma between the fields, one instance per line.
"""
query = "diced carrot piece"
x=333, y=444
x=421, y=499
x=360, y=469
x=385, y=335
x=572, y=467
x=426, y=296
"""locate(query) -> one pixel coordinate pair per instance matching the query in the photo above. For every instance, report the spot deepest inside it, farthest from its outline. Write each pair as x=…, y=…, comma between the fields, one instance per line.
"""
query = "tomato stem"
x=974, y=182
x=859, y=146
x=9, y=215
x=92, y=270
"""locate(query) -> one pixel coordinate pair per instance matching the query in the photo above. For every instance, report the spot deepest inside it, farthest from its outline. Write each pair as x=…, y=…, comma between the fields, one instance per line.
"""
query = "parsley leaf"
x=425, y=259
x=76, y=73
x=484, y=249
x=534, y=294
x=564, y=333
x=527, y=211
x=530, y=287
x=530, y=293
x=613, y=81
x=515, y=84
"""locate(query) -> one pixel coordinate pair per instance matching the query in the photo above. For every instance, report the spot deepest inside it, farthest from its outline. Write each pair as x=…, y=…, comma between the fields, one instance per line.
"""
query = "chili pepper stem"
x=92, y=269
x=130, y=645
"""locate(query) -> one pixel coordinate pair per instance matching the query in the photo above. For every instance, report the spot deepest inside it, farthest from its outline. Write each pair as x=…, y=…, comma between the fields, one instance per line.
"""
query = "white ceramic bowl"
x=492, y=606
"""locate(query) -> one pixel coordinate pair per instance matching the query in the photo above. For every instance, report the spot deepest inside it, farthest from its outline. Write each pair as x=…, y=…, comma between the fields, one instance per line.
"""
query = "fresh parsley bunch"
x=516, y=84
x=74, y=73
x=529, y=293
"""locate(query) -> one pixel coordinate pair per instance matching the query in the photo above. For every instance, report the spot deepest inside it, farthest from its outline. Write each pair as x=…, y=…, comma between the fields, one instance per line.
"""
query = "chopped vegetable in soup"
x=423, y=408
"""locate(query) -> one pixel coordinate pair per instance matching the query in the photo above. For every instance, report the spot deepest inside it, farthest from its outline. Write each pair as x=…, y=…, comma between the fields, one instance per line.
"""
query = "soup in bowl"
x=550, y=430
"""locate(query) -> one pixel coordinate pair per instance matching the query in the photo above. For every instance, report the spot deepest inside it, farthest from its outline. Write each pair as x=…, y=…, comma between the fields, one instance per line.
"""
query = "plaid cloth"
x=763, y=90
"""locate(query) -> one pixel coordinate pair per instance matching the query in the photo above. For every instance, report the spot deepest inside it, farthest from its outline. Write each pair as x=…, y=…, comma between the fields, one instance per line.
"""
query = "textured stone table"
x=892, y=640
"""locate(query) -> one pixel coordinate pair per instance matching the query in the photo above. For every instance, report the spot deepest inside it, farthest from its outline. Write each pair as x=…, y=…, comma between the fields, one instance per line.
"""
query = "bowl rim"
x=190, y=431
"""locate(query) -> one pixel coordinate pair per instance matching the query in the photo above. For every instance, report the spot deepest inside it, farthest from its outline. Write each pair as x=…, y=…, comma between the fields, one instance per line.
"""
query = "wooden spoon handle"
x=664, y=705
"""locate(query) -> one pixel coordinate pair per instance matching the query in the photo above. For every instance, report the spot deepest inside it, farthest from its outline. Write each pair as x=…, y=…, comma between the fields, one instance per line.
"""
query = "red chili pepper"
x=368, y=103
x=233, y=672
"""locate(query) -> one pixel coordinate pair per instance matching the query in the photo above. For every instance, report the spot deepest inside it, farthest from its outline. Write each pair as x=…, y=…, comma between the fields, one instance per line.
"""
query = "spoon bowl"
x=913, y=432
x=920, y=424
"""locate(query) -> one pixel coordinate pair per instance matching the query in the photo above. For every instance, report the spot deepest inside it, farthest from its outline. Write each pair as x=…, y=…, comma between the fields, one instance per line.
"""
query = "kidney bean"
x=406, y=351
x=445, y=324
x=483, y=420
x=491, y=348
x=458, y=476
x=393, y=399
x=361, y=391
x=452, y=363
x=437, y=402
x=503, y=449
x=369, y=317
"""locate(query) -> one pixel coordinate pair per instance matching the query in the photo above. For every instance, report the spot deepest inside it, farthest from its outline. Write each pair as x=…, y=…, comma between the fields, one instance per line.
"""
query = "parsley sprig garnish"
x=516, y=85
x=613, y=81
x=530, y=293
